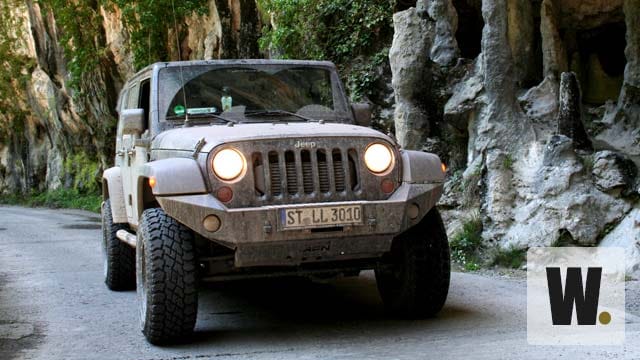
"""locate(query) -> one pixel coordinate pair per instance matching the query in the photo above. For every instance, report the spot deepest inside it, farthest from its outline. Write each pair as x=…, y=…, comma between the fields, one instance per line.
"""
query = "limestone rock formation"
x=627, y=235
x=612, y=172
x=409, y=58
x=541, y=172
x=570, y=111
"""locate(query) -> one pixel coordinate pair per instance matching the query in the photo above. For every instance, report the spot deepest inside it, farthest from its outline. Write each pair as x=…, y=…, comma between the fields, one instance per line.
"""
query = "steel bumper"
x=259, y=239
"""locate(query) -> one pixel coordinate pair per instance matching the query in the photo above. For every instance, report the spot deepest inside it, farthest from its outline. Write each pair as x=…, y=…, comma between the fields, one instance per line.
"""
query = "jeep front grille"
x=279, y=173
x=298, y=173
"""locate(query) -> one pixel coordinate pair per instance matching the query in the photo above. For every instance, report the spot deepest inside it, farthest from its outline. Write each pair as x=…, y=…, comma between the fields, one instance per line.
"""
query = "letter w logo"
x=585, y=299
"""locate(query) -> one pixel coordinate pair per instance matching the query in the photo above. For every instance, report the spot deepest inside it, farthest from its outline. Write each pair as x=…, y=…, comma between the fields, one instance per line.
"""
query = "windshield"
x=251, y=93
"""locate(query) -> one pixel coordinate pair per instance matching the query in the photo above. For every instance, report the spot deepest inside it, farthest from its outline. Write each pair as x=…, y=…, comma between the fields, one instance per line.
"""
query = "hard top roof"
x=237, y=62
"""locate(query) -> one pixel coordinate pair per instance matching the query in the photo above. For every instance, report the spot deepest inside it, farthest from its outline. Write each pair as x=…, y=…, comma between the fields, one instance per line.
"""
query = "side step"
x=127, y=238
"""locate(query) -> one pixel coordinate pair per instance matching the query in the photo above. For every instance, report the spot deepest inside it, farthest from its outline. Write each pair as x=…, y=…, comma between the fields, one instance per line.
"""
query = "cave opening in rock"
x=470, y=24
x=536, y=76
x=402, y=5
x=597, y=56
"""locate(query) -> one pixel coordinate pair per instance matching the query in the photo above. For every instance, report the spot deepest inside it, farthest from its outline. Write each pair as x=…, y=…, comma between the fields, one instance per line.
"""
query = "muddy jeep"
x=245, y=169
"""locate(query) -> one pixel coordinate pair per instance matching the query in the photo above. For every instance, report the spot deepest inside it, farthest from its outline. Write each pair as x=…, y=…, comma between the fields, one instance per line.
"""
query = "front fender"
x=421, y=168
x=112, y=189
x=177, y=176
x=423, y=174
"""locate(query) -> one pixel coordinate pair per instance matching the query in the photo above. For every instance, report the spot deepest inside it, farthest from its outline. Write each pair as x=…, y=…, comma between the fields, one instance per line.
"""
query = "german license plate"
x=324, y=216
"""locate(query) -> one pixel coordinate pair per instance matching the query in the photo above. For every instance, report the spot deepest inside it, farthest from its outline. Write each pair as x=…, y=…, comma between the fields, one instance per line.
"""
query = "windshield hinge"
x=199, y=145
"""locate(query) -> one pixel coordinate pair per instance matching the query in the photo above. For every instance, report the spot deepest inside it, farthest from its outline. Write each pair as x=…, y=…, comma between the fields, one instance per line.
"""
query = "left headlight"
x=378, y=158
x=228, y=164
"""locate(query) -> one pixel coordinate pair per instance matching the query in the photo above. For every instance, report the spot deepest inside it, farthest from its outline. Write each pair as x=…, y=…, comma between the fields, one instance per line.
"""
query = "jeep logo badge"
x=305, y=144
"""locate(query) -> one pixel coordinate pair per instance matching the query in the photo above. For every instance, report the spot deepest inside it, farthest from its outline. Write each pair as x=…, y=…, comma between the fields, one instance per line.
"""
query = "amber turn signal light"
x=152, y=182
x=444, y=167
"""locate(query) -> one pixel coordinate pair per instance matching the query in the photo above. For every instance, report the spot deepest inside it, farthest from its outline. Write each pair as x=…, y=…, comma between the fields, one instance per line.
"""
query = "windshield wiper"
x=276, y=113
x=202, y=116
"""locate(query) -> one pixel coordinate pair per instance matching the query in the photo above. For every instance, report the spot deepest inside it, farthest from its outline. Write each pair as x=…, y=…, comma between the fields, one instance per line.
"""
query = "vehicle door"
x=138, y=155
x=126, y=153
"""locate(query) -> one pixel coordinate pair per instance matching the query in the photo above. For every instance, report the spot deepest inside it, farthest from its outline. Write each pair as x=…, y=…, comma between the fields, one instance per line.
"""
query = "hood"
x=214, y=135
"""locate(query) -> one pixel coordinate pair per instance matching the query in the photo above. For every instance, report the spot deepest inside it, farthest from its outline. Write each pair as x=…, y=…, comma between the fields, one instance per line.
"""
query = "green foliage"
x=81, y=37
x=587, y=163
x=148, y=23
x=507, y=162
x=510, y=258
x=467, y=243
x=83, y=190
x=362, y=78
x=57, y=199
x=336, y=30
x=84, y=173
x=14, y=69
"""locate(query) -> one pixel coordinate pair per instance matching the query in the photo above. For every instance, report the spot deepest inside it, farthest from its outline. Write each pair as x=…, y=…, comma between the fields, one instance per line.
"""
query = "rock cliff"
x=541, y=120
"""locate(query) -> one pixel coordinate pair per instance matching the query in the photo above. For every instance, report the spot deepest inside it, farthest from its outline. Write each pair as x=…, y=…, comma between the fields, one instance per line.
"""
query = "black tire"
x=415, y=282
x=166, y=278
x=119, y=258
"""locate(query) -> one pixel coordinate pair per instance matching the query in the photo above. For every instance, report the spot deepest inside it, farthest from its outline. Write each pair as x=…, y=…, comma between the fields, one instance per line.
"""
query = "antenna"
x=184, y=90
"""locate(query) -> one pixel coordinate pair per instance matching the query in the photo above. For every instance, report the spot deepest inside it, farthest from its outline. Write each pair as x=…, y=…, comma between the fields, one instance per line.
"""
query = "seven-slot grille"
x=322, y=170
x=305, y=172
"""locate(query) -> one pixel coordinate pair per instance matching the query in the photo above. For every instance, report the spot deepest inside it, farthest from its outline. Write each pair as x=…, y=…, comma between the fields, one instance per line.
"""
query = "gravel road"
x=54, y=305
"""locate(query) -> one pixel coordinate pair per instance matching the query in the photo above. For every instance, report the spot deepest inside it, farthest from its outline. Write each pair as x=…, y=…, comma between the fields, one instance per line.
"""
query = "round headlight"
x=228, y=164
x=378, y=158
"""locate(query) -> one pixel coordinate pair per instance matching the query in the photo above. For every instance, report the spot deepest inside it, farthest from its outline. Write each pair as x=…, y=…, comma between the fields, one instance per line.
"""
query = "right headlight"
x=378, y=158
x=228, y=164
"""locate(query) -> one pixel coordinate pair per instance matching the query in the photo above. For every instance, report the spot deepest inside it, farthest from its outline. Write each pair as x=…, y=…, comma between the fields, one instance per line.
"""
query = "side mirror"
x=362, y=114
x=133, y=121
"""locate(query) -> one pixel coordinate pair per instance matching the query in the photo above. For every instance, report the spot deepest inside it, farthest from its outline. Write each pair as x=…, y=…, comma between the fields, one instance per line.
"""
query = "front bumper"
x=257, y=237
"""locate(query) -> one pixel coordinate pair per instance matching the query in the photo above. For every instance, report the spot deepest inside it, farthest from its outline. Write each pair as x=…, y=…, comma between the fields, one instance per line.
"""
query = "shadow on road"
x=295, y=308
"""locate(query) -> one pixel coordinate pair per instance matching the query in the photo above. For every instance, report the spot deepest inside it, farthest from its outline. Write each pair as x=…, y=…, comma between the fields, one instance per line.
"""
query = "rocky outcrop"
x=613, y=173
x=538, y=170
x=570, y=111
x=444, y=49
x=553, y=51
x=627, y=236
x=619, y=129
x=521, y=35
x=411, y=69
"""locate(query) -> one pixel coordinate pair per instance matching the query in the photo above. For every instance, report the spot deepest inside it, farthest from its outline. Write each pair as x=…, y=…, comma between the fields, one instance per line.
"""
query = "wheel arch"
x=146, y=197
x=176, y=176
x=113, y=191
x=171, y=177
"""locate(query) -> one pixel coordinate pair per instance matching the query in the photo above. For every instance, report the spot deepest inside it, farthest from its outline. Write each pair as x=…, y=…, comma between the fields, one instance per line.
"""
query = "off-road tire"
x=166, y=278
x=119, y=258
x=415, y=282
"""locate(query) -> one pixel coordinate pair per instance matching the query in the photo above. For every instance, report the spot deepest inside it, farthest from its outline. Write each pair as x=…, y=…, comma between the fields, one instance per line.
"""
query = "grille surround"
x=300, y=167
x=332, y=170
